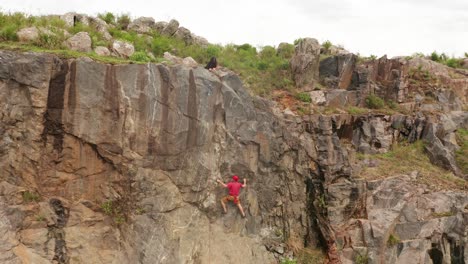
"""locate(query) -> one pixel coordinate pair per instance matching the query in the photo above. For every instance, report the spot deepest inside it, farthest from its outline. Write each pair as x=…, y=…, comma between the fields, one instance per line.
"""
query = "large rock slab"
x=305, y=64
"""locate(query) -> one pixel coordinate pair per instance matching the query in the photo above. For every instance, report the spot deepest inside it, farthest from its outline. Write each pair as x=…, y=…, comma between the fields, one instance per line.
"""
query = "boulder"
x=199, y=40
x=171, y=28
x=159, y=26
x=102, y=51
x=464, y=63
x=101, y=27
x=305, y=64
x=189, y=62
x=142, y=25
x=184, y=34
x=70, y=18
x=28, y=34
x=81, y=41
x=122, y=49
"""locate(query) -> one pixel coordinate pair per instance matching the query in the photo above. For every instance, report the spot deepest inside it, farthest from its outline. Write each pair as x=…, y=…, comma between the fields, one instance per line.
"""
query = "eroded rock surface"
x=118, y=164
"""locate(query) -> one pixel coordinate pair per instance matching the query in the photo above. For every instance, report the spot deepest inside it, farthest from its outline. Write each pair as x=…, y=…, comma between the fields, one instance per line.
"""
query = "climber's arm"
x=222, y=183
x=245, y=183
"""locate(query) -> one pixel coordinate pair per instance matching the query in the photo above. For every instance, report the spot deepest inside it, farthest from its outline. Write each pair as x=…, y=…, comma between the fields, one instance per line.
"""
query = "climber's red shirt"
x=234, y=188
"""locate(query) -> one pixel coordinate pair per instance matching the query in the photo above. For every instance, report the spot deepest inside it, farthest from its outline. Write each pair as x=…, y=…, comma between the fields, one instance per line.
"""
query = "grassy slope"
x=405, y=158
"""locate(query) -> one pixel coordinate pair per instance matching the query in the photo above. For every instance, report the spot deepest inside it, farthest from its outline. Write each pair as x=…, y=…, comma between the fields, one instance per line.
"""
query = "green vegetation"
x=107, y=207
x=393, y=240
x=309, y=256
x=40, y=218
x=443, y=214
x=30, y=197
x=289, y=261
x=361, y=259
x=327, y=45
x=374, y=102
x=461, y=155
x=304, y=97
x=140, y=211
x=405, y=157
x=112, y=208
x=262, y=69
x=444, y=59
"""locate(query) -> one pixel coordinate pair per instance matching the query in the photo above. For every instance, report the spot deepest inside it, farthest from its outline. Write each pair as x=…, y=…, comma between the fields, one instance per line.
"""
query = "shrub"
x=50, y=41
x=374, y=102
x=392, y=104
x=297, y=41
x=8, y=33
x=454, y=63
x=159, y=45
x=435, y=56
x=267, y=52
x=140, y=56
x=261, y=65
x=304, y=97
x=393, y=240
x=108, y=17
x=107, y=207
x=361, y=259
x=213, y=51
x=327, y=45
x=30, y=197
x=285, y=51
x=123, y=21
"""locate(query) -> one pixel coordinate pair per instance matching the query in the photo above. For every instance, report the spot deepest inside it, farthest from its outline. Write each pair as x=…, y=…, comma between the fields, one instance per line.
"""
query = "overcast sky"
x=392, y=27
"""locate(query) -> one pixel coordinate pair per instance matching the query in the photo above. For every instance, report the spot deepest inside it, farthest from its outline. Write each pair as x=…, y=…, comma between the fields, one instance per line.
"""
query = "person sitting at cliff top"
x=213, y=64
x=234, y=188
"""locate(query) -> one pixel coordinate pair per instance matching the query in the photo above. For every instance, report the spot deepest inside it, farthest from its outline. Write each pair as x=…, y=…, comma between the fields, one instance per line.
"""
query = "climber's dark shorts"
x=235, y=199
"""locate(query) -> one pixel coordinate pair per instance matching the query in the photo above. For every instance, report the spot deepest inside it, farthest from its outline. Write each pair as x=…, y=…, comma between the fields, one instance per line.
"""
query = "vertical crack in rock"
x=111, y=92
x=162, y=147
x=55, y=102
x=57, y=233
x=192, y=112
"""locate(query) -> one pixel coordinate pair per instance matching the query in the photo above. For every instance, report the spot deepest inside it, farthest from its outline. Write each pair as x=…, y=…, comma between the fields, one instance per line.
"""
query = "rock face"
x=416, y=84
x=152, y=139
x=118, y=164
x=400, y=222
x=338, y=70
x=305, y=64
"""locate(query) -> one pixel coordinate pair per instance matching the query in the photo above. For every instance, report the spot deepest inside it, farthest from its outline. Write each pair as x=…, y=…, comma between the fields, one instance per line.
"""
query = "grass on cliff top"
x=262, y=70
x=405, y=158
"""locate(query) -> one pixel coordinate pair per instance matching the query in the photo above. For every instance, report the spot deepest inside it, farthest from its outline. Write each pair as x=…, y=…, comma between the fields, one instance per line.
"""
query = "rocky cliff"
x=109, y=163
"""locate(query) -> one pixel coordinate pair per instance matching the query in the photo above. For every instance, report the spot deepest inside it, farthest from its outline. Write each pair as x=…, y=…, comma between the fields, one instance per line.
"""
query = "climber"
x=234, y=188
x=213, y=64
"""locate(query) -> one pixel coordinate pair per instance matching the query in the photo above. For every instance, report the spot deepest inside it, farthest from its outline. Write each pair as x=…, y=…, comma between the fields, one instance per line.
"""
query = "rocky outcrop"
x=118, y=164
x=131, y=154
x=399, y=221
x=305, y=64
x=142, y=25
x=337, y=71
